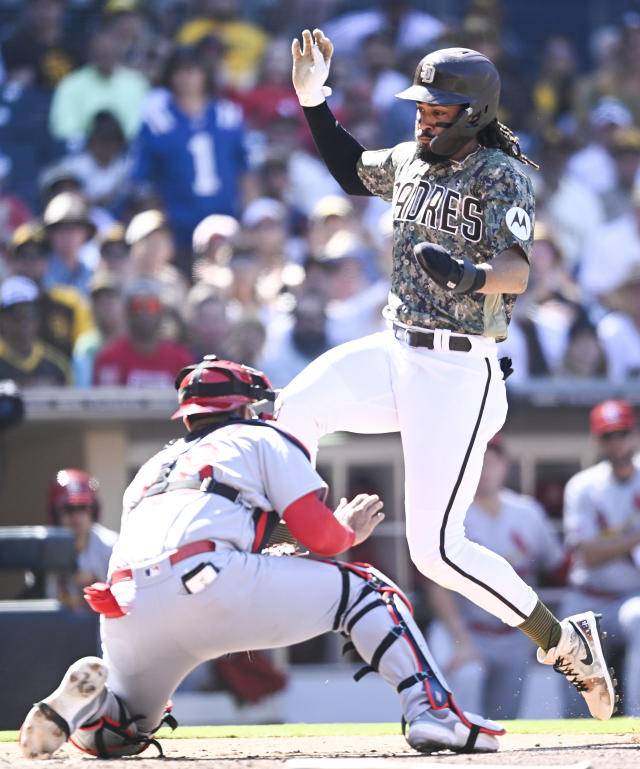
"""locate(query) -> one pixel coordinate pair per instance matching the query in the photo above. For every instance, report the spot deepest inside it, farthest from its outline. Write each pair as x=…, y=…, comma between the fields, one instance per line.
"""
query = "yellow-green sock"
x=542, y=627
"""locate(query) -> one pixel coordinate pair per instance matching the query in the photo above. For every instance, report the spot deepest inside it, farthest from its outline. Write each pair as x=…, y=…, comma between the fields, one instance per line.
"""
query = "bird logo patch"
x=519, y=223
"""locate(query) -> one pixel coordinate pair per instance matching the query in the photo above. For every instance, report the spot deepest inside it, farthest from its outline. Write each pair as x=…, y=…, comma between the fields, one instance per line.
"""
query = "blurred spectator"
x=140, y=47
x=13, y=210
x=141, y=357
x=39, y=52
x=244, y=41
x=151, y=255
x=266, y=237
x=602, y=528
x=572, y=210
x=619, y=331
x=24, y=358
x=191, y=150
x=610, y=251
x=73, y=503
x=486, y=661
x=104, y=84
x=24, y=139
x=584, y=355
x=207, y=323
x=276, y=183
x=212, y=248
x=593, y=165
x=554, y=89
x=290, y=348
x=309, y=180
x=108, y=323
x=114, y=253
x=408, y=29
x=68, y=227
x=64, y=311
x=102, y=167
x=539, y=328
x=330, y=214
x=273, y=92
x=380, y=62
x=625, y=151
x=354, y=304
x=247, y=338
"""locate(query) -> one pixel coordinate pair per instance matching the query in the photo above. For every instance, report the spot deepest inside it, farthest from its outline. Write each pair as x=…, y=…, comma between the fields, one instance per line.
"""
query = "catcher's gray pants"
x=257, y=602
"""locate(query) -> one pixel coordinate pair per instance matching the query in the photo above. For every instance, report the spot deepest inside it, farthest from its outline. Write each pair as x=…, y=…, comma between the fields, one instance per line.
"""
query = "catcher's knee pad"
x=391, y=638
x=113, y=737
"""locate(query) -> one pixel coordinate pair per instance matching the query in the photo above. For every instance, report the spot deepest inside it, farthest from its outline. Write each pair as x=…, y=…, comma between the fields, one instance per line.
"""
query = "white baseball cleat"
x=580, y=658
x=50, y=722
x=436, y=730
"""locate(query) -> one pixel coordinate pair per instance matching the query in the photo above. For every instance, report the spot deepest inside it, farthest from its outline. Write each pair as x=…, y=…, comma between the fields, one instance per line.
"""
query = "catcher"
x=188, y=582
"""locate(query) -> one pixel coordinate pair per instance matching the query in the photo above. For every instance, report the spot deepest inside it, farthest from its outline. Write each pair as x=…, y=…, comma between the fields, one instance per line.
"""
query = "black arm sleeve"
x=339, y=150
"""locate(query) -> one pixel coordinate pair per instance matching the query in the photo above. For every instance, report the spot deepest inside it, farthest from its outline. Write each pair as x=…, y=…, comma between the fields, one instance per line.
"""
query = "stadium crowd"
x=161, y=197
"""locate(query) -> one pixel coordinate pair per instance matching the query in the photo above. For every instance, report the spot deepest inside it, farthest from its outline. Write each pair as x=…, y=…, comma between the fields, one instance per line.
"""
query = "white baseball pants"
x=446, y=406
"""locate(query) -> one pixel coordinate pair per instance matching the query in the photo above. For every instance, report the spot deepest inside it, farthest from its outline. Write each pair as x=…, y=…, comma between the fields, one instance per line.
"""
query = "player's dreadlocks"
x=500, y=136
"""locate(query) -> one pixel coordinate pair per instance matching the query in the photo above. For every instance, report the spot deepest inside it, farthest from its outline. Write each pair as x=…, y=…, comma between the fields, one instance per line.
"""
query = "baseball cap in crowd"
x=17, y=289
x=29, y=232
x=219, y=225
x=68, y=208
x=610, y=111
x=144, y=294
x=262, y=209
x=143, y=224
x=332, y=205
x=103, y=280
x=611, y=416
x=121, y=6
x=344, y=244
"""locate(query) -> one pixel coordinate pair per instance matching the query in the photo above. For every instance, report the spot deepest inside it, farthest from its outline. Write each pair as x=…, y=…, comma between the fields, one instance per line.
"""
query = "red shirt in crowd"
x=121, y=363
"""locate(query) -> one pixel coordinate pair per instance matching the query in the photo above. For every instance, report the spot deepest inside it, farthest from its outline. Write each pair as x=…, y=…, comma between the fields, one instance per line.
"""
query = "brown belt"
x=421, y=338
x=192, y=548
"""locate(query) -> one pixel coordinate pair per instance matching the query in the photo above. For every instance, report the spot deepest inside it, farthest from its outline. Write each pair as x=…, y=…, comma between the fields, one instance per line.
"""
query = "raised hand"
x=311, y=67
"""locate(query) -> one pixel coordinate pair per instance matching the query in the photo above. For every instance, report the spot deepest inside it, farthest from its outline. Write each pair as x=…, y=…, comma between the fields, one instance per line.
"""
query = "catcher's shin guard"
x=378, y=618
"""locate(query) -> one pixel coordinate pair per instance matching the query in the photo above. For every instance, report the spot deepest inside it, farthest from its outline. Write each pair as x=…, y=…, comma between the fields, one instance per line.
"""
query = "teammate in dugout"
x=463, y=214
x=188, y=582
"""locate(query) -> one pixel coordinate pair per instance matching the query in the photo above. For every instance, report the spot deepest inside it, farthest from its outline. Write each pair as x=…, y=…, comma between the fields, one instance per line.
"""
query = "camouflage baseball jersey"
x=478, y=207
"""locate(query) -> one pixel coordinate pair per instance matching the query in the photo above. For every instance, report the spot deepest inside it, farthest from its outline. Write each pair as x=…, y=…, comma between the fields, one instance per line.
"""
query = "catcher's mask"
x=213, y=386
x=72, y=488
x=457, y=76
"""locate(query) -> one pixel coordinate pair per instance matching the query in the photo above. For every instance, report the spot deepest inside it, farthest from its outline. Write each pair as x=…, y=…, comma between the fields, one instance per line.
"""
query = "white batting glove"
x=311, y=67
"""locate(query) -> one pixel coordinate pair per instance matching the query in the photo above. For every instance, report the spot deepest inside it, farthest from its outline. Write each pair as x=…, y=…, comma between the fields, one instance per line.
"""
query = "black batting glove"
x=460, y=276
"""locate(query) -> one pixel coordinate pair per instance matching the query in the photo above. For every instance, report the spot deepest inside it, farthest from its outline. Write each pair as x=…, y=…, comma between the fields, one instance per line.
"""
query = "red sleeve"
x=315, y=526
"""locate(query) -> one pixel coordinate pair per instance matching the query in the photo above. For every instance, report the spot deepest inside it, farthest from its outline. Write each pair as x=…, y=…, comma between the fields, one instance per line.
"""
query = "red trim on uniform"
x=261, y=525
x=314, y=525
x=191, y=548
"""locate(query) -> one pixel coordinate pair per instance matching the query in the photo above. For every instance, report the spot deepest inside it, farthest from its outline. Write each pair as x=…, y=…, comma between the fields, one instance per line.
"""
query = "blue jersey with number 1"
x=194, y=163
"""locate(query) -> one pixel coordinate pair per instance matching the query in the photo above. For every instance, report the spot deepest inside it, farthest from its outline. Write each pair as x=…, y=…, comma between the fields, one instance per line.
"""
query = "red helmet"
x=72, y=487
x=219, y=385
x=611, y=416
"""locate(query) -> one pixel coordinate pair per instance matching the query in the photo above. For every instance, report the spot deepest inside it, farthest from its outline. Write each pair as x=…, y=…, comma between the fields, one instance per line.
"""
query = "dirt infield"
x=602, y=750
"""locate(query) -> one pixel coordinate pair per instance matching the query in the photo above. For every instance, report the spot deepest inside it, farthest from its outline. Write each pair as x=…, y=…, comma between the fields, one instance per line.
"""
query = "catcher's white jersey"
x=268, y=469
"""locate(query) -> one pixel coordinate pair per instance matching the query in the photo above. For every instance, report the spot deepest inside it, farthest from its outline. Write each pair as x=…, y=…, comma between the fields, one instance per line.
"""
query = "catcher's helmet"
x=214, y=385
x=457, y=76
x=72, y=487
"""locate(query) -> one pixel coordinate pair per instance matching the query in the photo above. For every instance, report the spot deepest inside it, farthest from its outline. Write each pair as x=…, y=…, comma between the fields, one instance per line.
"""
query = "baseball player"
x=188, y=582
x=72, y=502
x=463, y=226
x=601, y=520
